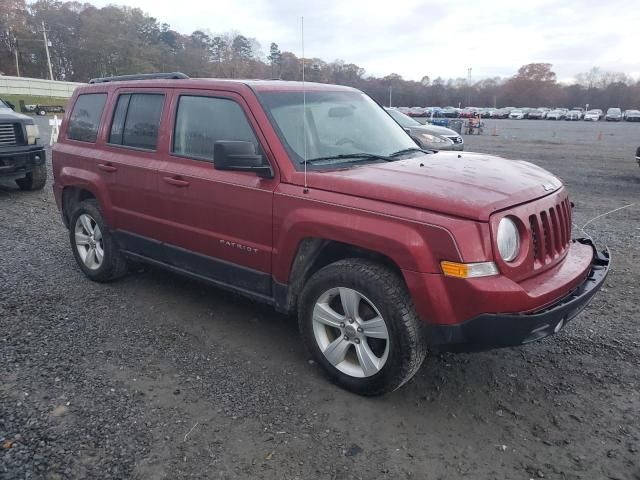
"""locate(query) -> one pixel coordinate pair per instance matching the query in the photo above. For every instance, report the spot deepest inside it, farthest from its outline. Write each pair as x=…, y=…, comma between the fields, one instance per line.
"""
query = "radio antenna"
x=304, y=108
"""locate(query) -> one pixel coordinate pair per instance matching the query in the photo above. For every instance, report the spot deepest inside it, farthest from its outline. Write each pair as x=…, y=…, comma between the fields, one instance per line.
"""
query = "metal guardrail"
x=37, y=87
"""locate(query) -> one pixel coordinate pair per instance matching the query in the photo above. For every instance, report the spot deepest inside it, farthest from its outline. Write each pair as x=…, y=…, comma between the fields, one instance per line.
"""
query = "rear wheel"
x=36, y=179
x=357, y=319
x=94, y=248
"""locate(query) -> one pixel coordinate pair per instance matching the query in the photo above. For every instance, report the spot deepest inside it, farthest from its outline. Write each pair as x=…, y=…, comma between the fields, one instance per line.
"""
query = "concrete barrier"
x=36, y=86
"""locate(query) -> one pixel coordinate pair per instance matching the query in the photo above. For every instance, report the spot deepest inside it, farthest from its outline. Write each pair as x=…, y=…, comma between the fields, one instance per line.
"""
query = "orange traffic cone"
x=494, y=132
x=599, y=136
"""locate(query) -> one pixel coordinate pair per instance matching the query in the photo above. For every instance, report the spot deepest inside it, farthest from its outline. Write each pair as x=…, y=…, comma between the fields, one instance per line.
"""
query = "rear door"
x=218, y=223
x=131, y=159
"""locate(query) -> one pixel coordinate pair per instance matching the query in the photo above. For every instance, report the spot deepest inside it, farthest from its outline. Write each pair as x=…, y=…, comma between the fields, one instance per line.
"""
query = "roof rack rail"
x=141, y=76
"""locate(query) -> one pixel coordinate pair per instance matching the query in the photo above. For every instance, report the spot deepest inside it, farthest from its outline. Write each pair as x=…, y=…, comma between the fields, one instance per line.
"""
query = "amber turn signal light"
x=468, y=270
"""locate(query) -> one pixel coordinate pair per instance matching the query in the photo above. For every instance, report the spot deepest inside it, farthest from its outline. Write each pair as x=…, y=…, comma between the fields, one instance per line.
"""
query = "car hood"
x=8, y=115
x=469, y=185
x=434, y=130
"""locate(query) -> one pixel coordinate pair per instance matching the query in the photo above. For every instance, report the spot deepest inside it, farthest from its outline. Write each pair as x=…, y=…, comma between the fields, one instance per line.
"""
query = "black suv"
x=22, y=157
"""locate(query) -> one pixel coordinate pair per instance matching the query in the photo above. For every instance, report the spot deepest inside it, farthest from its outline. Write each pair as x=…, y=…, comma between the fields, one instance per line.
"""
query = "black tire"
x=388, y=292
x=113, y=265
x=36, y=179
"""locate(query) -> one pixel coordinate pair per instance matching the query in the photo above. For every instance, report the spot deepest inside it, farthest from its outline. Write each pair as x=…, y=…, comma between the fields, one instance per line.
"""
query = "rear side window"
x=136, y=120
x=201, y=121
x=85, y=117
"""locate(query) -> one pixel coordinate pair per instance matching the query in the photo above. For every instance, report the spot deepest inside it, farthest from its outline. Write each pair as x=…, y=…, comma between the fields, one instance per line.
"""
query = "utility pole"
x=17, y=63
x=15, y=49
x=468, y=87
x=46, y=47
x=390, y=90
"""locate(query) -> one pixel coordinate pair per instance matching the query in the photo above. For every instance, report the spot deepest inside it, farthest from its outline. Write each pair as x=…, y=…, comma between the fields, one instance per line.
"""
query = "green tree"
x=274, y=59
x=536, y=72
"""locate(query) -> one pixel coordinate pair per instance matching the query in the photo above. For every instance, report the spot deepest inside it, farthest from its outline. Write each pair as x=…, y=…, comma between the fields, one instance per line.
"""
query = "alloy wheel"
x=88, y=240
x=350, y=332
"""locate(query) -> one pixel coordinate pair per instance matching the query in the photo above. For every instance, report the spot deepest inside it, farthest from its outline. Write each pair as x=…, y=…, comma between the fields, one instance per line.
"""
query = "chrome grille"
x=551, y=232
x=7, y=134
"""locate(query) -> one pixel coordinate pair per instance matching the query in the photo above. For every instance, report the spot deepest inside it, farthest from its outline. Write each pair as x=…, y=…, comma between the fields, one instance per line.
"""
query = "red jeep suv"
x=312, y=198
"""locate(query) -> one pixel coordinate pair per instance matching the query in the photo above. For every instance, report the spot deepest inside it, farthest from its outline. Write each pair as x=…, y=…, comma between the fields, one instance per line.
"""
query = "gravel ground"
x=157, y=377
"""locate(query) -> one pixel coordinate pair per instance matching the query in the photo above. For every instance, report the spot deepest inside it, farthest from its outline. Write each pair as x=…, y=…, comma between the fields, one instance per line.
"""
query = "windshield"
x=337, y=124
x=403, y=119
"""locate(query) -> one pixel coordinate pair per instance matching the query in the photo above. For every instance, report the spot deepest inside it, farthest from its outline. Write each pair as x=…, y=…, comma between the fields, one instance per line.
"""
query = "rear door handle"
x=107, y=167
x=176, y=181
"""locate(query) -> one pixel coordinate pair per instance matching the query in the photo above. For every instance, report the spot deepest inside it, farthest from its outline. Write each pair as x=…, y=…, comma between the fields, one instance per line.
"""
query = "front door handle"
x=107, y=167
x=176, y=181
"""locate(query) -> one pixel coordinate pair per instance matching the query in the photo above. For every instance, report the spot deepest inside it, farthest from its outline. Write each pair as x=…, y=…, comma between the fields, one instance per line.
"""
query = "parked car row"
x=521, y=113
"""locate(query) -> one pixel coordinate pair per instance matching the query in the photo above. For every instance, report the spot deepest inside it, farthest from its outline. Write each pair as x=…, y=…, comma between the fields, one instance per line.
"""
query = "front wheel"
x=36, y=179
x=358, y=321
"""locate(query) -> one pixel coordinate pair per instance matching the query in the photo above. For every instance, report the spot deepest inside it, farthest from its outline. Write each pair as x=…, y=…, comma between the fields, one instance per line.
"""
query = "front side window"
x=333, y=124
x=136, y=120
x=202, y=121
x=85, y=117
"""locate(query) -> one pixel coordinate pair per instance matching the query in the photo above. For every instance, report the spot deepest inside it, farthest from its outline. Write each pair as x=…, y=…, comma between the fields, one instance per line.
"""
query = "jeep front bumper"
x=488, y=331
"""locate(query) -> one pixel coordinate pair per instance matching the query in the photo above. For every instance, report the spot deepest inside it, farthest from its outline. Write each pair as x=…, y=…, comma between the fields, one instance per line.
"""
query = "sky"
x=415, y=38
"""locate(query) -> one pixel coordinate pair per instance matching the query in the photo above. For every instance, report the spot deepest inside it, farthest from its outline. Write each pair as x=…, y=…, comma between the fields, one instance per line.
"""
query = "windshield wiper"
x=408, y=150
x=349, y=156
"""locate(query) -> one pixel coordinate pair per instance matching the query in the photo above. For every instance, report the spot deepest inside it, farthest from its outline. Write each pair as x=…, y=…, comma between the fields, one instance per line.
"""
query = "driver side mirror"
x=240, y=157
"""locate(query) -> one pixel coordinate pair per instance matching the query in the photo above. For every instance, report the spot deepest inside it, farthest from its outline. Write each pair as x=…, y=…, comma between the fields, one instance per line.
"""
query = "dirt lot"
x=158, y=377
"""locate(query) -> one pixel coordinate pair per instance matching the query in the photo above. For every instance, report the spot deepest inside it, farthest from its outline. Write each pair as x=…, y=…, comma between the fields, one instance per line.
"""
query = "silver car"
x=556, y=114
x=429, y=137
x=593, y=115
x=613, y=115
x=632, y=115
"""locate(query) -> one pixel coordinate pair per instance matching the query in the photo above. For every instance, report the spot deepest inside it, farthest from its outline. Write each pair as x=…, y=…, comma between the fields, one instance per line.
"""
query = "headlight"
x=508, y=239
x=33, y=134
x=428, y=138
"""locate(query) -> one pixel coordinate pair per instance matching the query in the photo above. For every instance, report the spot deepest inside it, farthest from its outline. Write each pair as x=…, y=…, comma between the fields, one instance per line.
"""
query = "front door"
x=218, y=223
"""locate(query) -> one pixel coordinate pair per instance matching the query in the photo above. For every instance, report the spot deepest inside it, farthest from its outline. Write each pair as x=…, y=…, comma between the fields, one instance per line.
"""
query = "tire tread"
x=396, y=293
x=116, y=265
x=36, y=179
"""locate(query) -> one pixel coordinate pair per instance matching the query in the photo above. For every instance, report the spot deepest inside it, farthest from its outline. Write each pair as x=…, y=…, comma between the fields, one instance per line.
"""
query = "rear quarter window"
x=85, y=117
